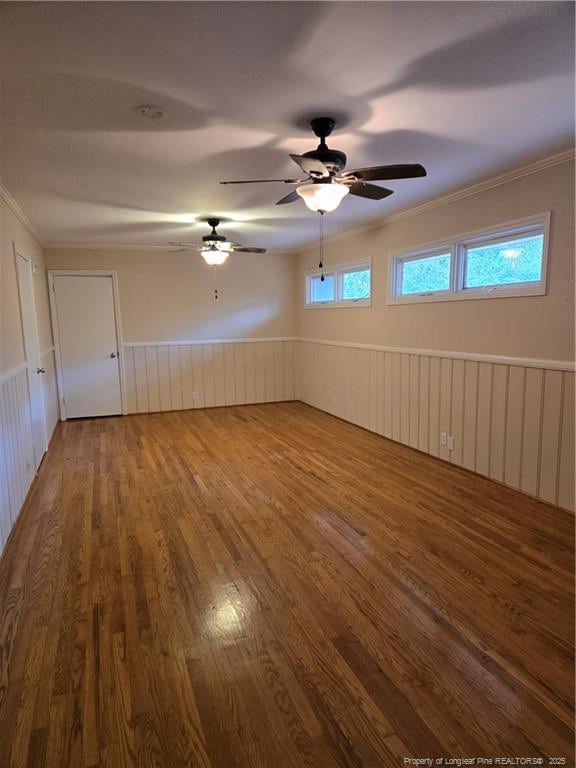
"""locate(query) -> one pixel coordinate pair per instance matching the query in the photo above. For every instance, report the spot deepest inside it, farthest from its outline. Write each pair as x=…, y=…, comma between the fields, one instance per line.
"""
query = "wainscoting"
x=16, y=447
x=16, y=457
x=168, y=377
x=511, y=422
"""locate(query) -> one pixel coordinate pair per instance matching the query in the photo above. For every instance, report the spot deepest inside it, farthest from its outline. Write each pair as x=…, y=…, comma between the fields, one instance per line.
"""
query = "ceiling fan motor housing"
x=213, y=237
x=334, y=160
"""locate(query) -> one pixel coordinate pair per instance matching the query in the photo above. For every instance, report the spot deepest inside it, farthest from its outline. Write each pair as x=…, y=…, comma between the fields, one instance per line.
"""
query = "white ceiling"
x=469, y=89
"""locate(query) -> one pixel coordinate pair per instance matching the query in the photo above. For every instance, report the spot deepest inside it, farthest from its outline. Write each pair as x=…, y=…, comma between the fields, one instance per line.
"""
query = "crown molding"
x=7, y=198
x=436, y=202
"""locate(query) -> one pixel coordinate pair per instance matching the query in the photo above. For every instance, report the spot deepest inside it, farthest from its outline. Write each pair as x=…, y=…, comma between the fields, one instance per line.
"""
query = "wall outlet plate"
x=443, y=438
x=450, y=442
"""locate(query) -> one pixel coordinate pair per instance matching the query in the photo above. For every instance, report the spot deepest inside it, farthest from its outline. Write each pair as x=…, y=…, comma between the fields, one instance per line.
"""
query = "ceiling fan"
x=215, y=248
x=326, y=183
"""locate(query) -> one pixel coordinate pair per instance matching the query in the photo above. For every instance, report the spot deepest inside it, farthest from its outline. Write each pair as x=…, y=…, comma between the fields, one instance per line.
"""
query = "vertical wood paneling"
x=172, y=377
x=289, y=369
x=498, y=421
x=445, y=404
x=514, y=425
x=414, y=395
x=219, y=374
x=207, y=375
x=457, y=411
x=470, y=414
x=141, y=380
x=396, y=395
x=404, y=398
x=567, y=458
x=279, y=375
x=434, y=413
x=229, y=375
x=483, y=423
x=16, y=450
x=551, y=432
x=388, y=394
x=176, y=379
x=531, y=437
x=379, y=394
x=239, y=372
x=164, y=378
x=424, y=404
x=130, y=380
x=186, y=371
x=152, y=377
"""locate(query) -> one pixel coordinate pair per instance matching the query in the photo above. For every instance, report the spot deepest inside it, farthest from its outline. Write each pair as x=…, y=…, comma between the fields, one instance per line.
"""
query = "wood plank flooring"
x=269, y=586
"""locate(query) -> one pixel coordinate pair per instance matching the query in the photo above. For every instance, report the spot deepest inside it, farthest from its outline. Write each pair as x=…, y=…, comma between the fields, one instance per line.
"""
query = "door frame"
x=30, y=271
x=52, y=273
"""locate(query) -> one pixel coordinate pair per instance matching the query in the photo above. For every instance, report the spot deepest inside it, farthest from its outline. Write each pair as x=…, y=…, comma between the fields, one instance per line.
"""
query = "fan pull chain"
x=321, y=263
x=214, y=272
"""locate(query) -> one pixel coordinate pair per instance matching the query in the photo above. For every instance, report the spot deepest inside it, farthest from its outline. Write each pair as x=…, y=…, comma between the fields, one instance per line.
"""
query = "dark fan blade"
x=291, y=197
x=388, y=172
x=371, y=191
x=266, y=181
x=311, y=166
x=248, y=249
x=187, y=246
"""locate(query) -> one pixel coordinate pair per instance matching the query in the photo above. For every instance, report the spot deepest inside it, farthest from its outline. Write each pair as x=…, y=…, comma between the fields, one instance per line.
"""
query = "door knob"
x=40, y=370
x=112, y=354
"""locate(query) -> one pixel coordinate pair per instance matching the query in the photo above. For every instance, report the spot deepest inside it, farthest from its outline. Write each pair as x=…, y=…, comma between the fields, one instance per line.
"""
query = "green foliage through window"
x=356, y=285
x=431, y=273
x=514, y=261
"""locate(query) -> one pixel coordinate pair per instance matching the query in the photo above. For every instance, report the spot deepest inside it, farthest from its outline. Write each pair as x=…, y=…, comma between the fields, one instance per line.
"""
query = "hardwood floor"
x=269, y=586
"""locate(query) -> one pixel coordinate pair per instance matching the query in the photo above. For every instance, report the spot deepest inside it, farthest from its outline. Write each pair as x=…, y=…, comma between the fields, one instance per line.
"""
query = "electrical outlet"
x=450, y=442
x=195, y=395
x=443, y=438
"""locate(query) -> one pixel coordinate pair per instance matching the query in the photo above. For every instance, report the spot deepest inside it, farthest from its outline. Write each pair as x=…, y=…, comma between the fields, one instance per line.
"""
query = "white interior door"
x=32, y=352
x=88, y=345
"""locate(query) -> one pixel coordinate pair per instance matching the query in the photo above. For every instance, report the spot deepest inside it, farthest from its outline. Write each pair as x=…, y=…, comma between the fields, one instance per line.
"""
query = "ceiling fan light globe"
x=214, y=257
x=322, y=198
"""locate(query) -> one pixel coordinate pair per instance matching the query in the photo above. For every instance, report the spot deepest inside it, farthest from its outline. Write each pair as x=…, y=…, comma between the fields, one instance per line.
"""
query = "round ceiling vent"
x=151, y=112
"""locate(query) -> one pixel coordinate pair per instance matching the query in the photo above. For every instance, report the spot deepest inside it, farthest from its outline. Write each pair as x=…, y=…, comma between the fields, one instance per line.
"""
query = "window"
x=355, y=284
x=349, y=285
x=427, y=273
x=509, y=260
x=504, y=263
x=321, y=290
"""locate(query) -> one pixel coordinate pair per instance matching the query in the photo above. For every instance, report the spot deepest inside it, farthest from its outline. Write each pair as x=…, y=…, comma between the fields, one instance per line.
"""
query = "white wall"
x=495, y=373
x=537, y=327
x=185, y=349
x=16, y=462
x=168, y=297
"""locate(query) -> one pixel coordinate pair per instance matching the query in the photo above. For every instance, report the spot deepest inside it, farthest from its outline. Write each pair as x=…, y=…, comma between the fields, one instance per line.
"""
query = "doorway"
x=24, y=273
x=85, y=319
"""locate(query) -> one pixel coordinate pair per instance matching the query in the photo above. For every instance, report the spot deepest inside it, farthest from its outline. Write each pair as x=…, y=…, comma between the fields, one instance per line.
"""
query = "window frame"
x=338, y=271
x=458, y=246
x=309, y=281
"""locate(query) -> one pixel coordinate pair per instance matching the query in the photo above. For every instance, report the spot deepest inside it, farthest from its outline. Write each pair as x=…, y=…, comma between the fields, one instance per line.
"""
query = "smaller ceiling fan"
x=326, y=183
x=215, y=248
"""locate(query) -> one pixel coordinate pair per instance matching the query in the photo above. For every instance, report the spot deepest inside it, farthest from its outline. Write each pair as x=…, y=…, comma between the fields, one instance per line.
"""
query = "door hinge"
x=63, y=401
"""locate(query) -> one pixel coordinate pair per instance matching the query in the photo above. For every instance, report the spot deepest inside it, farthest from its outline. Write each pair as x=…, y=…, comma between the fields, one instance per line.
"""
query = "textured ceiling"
x=468, y=89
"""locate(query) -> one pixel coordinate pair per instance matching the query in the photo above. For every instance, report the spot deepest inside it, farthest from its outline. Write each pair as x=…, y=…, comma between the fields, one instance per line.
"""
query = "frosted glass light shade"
x=323, y=197
x=214, y=257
